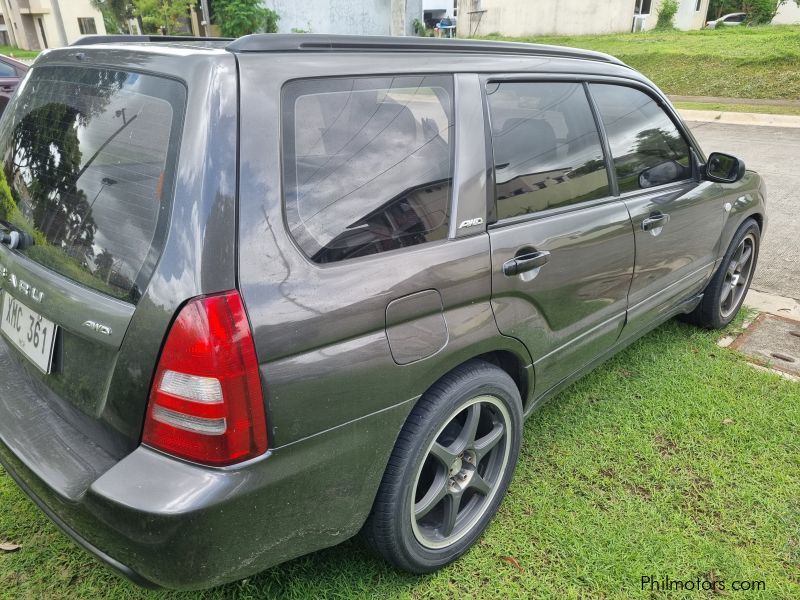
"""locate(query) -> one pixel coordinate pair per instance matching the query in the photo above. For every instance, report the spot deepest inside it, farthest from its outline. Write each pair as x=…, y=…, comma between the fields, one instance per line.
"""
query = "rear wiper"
x=14, y=237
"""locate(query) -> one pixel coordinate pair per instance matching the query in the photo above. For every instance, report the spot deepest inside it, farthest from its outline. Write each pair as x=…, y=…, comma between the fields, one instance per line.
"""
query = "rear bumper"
x=168, y=523
x=111, y=563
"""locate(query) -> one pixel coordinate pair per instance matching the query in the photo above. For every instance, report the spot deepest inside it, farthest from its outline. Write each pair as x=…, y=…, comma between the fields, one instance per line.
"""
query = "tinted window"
x=647, y=148
x=547, y=151
x=87, y=156
x=7, y=70
x=367, y=163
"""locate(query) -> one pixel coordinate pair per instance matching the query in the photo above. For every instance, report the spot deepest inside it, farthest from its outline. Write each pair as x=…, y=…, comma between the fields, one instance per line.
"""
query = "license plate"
x=29, y=331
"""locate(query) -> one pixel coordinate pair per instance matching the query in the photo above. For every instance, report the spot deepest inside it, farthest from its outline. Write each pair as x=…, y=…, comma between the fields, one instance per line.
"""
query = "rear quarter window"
x=88, y=158
x=367, y=163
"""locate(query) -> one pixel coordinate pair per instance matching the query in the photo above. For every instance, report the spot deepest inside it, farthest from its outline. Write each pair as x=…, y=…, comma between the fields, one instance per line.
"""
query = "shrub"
x=240, y=17
x=666, y=14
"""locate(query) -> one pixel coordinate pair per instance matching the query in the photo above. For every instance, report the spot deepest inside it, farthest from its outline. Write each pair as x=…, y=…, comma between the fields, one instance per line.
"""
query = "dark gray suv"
x=261, y=295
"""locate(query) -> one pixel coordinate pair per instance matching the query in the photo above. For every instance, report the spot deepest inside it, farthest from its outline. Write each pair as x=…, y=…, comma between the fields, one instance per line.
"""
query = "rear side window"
x=547, y=150
x=647, y=148
x=367, y=163
x=88, y=157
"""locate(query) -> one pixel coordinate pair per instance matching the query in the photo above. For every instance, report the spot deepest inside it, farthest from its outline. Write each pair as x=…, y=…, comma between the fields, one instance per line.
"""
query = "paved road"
x=775, y=153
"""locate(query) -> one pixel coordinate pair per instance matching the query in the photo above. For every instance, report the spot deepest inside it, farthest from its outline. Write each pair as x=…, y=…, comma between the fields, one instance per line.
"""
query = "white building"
x=360, y=17
x=40, y=24
x=788, y=14
x=570, y=17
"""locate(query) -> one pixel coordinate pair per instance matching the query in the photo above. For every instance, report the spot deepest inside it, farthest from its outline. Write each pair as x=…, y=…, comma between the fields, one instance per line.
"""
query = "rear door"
x=677, y=224
x=562, y=244
x=88, y=161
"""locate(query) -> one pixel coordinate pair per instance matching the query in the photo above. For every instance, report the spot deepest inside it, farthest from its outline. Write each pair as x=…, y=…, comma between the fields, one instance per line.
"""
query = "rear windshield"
x=88, y=157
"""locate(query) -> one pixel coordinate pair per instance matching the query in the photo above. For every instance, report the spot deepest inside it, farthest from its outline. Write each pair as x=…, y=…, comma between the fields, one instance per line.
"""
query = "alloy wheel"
x=737, y=276
x=461, y=472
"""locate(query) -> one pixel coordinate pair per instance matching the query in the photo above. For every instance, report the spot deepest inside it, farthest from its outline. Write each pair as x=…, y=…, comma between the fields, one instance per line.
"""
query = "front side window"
x=547, y=150
x=367, y=163
x=647, y=148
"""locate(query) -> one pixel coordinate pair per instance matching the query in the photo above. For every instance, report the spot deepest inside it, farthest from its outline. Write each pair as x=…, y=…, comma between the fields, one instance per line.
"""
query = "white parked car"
x=727, y=20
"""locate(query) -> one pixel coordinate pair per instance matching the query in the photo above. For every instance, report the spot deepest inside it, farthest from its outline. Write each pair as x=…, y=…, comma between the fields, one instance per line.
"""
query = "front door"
x=677, y=223
x=562, y=245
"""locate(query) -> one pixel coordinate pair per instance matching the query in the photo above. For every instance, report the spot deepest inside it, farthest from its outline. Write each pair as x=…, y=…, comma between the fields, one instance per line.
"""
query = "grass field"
x=18, y=52
x=747, y=108
x=674, y=459
x=733, y=62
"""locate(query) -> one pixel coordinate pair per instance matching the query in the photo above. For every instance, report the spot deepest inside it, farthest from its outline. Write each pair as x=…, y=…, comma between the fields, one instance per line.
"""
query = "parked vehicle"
x=11, y=73
x=730, y=20
x=246, y=317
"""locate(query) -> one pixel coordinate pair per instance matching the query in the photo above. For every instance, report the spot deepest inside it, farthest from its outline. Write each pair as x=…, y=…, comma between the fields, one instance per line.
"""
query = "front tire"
x=726, y=291
x=449, y=470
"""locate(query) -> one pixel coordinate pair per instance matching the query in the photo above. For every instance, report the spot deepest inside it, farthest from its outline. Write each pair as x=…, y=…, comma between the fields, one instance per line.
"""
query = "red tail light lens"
x=206, y=403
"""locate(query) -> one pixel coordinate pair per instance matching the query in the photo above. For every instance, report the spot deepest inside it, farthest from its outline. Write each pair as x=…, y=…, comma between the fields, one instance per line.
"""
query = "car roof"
x=15, y=62
x=309, y=43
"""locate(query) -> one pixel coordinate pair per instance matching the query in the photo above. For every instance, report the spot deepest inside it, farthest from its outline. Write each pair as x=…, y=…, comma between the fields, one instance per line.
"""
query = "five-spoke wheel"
x=728, y=287
x=464, y=464
x=449, y=470
x=737, y=276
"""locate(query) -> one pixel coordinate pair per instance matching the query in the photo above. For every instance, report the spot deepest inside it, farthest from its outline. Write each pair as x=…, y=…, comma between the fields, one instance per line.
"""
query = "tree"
x=758, y=11
x=717, y=8
x=666, y=14
x=763, y=11
x=240, y=17
x=115, y=14
x=164, y=16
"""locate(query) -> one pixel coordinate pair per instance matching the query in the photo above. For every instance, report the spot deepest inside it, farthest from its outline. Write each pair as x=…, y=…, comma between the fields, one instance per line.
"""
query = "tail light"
x=206, y=403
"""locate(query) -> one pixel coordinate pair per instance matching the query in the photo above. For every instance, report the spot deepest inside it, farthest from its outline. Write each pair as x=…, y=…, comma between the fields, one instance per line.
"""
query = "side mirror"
x=724, y=168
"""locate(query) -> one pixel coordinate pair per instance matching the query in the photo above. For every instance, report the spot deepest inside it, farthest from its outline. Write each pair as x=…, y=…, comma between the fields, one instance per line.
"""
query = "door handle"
x=525, y=262
x=654, y=221
x=7, y=88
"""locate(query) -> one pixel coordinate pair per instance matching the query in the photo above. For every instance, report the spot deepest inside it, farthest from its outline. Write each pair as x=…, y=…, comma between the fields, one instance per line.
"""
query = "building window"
x=86, y=25
x=698, y=5
x=642, y=7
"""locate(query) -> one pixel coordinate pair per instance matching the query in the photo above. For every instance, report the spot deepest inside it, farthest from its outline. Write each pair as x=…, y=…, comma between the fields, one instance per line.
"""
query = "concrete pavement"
x=775, y=153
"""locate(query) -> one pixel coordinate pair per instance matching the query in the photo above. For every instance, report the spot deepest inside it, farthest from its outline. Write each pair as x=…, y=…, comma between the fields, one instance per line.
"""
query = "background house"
x=788, y=14
x=570, y=17
x=40, y=24
x=435, y=10
x=361, y=17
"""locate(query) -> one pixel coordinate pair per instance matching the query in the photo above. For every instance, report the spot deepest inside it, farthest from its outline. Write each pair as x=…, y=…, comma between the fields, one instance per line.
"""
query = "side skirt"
x=684, y=307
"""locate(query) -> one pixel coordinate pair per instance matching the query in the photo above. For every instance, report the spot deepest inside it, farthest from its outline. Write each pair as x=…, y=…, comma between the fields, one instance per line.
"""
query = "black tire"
x=439, y=424
x=712, y=311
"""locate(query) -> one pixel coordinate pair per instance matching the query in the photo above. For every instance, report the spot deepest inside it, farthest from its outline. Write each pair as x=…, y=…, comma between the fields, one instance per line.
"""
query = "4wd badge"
x=471, y=223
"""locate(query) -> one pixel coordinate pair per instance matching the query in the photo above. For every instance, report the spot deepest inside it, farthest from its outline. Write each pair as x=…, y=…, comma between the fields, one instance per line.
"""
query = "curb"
x=788, y=308
x=737, y=118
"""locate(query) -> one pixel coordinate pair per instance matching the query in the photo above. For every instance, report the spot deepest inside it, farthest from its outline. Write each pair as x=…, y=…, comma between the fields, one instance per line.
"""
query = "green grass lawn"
x=748, y=108
x=732, y=62
x=18, y=52
x=674, y=459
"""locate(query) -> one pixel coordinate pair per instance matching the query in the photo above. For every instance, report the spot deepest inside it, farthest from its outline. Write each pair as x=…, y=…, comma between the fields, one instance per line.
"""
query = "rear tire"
x=449, y=470
x=725, y=293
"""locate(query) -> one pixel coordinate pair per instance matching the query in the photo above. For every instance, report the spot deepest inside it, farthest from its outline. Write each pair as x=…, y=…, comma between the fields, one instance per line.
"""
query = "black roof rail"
x=90, y=40
x=310, y=42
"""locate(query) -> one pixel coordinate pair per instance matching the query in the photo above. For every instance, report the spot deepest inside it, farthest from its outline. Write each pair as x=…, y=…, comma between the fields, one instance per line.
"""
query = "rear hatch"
x=88, y=159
